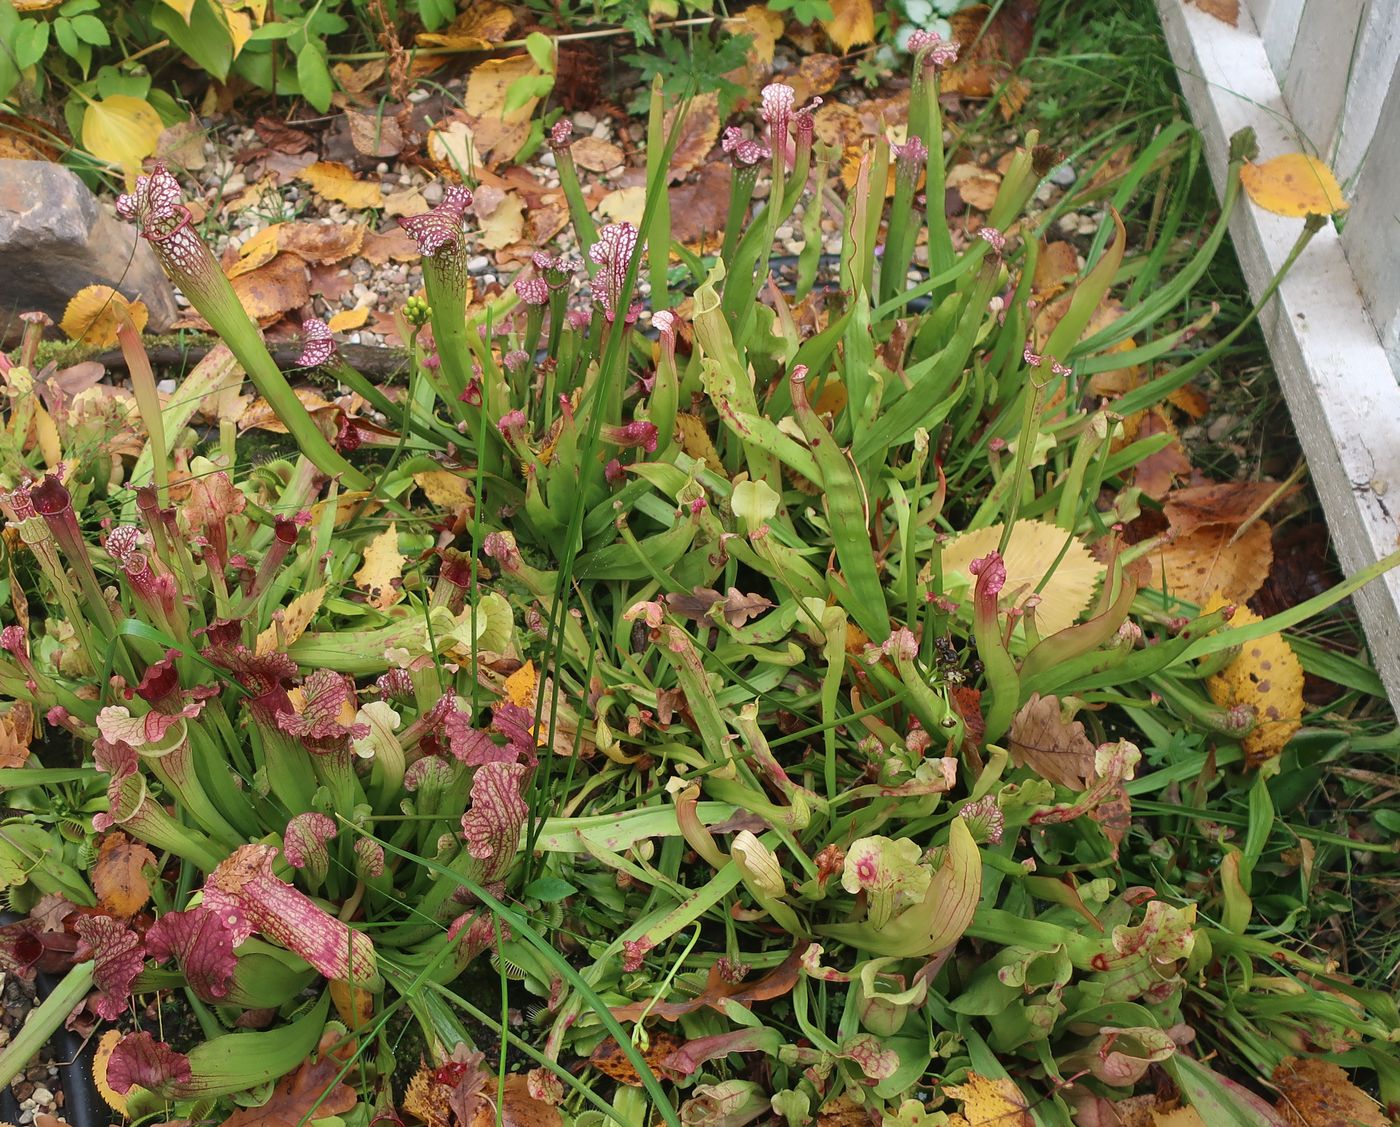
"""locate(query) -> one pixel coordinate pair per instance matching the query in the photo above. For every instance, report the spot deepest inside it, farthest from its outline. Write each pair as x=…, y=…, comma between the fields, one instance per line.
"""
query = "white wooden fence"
x=1321, y=75
x=1338, y=64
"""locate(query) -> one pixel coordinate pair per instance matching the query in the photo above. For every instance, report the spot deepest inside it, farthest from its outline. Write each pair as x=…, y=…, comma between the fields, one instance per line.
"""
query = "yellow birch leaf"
x=383, y=563
x=295, y=619
x=335, y=181
x=522, y=686
x=240, y=29
x=258, y=251
x=505, y=224
x=109, y=1041
x=91, y=316
x=121, y=130
x=763, y=26
x=991, y=1103
x=624, y=205
x=696, y=441
x=852, y=22
x=1293, y=184
x=444, y=488
x=479, y=28
x=499, y=134
x=1030, y=553
x=348, y=319
x=1266, y=677
x=1208, y=558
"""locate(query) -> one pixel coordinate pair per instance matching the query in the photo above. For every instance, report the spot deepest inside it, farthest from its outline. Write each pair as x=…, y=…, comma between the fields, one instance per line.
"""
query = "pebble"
x=585, y=120
x=361, y=270
x=166, y=387
x=381, y=168
x=433, y=192
x=42, y=1096
x=478, y=263
x=1063, y=175
x=784, y=232
x=418, y=95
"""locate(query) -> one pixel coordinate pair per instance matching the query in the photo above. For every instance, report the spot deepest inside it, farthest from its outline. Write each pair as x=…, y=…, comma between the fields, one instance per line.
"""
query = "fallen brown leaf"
x=1317, y=1093
x=1053, y=749
x=273, y=289
x=718, y=993
x=1205, y=560
x=374, y=135
x=118, y=876
x=609, y=1059
x=1230, y=502
x=311, y=1092
x=596, y=155
x=699, y=132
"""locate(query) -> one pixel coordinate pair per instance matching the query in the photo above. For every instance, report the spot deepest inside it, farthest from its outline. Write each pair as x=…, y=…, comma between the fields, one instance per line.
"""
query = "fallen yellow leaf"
x=499, y=134
x=91, y=316
x=1031, y=552
x=1267, y=677
x=348, y=319
x=1293, y=184
x=121, y=130
x=522, y=686
x=852, y=22
x=505, y=224
x=335, y=181
x=991, y=1103
x=624, y=205
x=383, y=563
x=443, y=488
x=295, y=619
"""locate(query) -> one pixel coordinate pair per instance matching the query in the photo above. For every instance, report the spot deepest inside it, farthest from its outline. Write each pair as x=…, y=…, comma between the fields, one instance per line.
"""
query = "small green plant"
x=694, y=64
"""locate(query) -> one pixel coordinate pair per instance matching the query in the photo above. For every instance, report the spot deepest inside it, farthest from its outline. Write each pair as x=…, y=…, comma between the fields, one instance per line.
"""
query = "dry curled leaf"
x=479, y=28
x=320, y=244
x=977, y=186
x=118, y=876
x=443, y=488
x=335, y=181
x=1267, y=678
x=1294, y=184
x=16, y=732
x=1317, y=1093
x=1229, y=502
x=92, y=315
x=498, y=133
x=382, y=566
x=1042, y=740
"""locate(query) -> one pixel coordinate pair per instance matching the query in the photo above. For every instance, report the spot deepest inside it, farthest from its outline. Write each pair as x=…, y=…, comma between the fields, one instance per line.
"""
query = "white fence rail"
x=1338, y=65
x=1320, y=74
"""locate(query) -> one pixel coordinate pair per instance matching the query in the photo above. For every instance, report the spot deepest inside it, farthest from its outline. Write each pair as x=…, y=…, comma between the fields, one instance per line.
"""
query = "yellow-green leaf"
x=121, y=130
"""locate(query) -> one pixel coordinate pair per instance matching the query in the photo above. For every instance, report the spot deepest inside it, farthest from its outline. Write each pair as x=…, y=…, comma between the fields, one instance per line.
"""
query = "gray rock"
x=1063, y=175
x=55, y=239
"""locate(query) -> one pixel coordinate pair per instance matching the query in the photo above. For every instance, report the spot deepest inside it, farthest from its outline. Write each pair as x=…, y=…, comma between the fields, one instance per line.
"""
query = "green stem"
x=44, y=1021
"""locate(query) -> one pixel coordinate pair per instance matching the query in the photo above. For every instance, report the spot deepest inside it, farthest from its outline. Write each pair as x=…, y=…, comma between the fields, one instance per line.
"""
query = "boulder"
x=55, y=238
